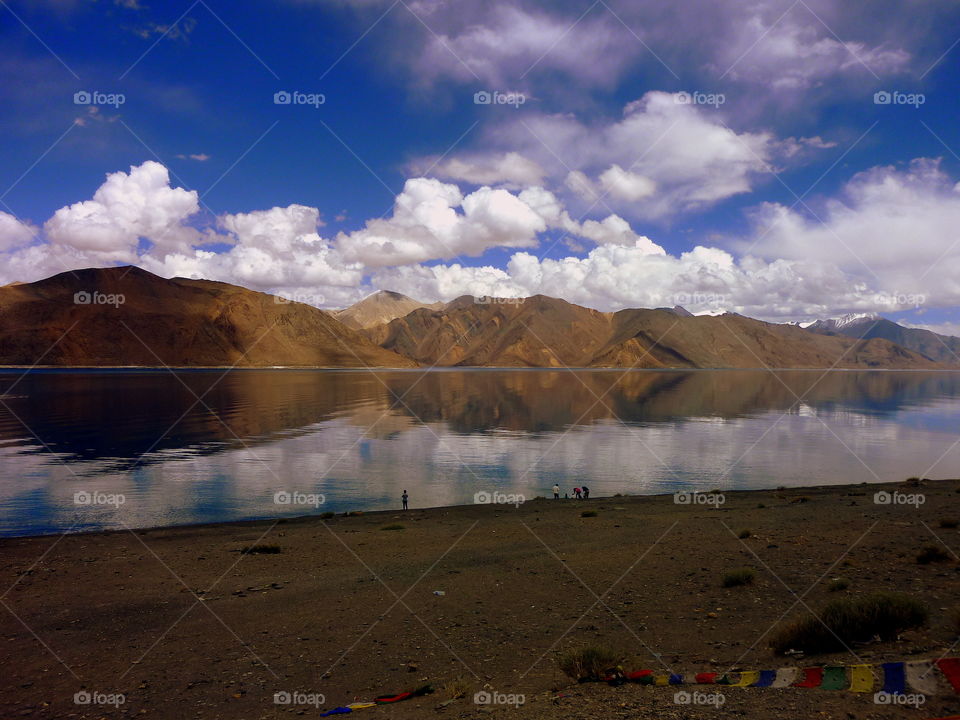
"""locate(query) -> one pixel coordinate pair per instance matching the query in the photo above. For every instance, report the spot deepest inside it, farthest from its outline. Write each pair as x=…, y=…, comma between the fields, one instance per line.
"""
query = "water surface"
x=204, y=445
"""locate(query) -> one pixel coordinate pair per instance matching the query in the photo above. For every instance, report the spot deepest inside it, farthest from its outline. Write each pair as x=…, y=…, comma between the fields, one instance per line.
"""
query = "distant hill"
x=379, y=308
x=939, y=348
x=76, y=318
x=548, y=332
x=129, y=317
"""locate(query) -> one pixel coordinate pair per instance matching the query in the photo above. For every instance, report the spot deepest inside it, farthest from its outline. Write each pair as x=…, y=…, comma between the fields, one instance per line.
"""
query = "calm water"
x=202, y=446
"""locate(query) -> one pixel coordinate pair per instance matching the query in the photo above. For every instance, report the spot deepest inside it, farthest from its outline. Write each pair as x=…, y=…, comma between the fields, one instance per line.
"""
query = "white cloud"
x=127, y=207
x=625, y=185
x=277, y=248
x=426, y=225
x=661, y=158
x=14, y=233
x=896, y=229
x=612, y=277
x=509, y=168
x=903, y=222
x=500, y=42
x=788, y=54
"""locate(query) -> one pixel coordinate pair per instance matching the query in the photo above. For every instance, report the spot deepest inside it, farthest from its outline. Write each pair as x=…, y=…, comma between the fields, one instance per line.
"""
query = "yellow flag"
x=861, y=678
x=747, y=678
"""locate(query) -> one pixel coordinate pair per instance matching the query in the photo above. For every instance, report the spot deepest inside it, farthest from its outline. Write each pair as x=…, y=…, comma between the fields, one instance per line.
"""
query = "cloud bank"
x=892, y=232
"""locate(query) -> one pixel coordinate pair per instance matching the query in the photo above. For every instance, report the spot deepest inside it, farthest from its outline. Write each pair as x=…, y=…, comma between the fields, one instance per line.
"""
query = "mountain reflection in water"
x=204, y=446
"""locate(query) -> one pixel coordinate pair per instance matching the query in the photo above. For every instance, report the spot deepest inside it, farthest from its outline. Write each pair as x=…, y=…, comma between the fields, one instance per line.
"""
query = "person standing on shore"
x=556, y=492
x=576, y=493
x=586, y=492
x=404, y=497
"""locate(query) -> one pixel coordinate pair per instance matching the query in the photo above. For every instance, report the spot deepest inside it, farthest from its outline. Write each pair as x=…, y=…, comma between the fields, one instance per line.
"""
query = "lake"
x=86, y=450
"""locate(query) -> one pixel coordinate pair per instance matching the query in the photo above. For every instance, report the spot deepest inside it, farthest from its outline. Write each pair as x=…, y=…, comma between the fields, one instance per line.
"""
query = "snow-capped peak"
x=840, y=322
x=852, y=318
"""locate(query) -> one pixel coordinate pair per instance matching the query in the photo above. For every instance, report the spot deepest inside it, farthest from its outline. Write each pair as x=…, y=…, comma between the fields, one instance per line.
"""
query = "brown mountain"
x=940, y=348
x=546, y=332
x=379, y=308
x=78, y=318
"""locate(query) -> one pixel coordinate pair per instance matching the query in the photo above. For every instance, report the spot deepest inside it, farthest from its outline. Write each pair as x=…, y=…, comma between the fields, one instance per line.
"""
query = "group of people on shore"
x=580, y=493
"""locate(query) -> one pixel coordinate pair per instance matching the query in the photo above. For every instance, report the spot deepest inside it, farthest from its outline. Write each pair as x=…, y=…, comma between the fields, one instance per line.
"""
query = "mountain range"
x=940, y=348
x=542, y=331
x=125, y=316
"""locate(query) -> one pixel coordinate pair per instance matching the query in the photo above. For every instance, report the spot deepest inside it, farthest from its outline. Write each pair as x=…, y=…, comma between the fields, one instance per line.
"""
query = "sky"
x=786, y=160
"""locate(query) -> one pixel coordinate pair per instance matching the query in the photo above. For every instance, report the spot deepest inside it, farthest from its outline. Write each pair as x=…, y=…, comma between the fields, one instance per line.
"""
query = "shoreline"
x=487, y=597
x=299, y=519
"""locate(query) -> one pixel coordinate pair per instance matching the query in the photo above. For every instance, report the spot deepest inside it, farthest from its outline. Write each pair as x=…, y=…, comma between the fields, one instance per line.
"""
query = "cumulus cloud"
x=895, y=228
x=612, y=277
x=902, y=221
x=427, y=223
x=275, y=249
x=660, y=158
x=13, y=232
x=126, y=208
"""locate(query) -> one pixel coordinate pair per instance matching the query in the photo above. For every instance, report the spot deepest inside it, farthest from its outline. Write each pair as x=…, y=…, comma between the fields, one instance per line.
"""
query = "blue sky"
x=732, y=157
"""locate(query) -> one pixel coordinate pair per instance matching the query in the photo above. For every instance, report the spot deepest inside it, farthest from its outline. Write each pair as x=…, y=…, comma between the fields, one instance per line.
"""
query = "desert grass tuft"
x=845, y=621
x=738, y=577
x=588, y=662
x=456, y=689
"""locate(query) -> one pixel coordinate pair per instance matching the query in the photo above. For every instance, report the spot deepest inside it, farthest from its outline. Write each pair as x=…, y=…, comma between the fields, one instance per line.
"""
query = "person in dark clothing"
x=404, y=497
x=586, y=492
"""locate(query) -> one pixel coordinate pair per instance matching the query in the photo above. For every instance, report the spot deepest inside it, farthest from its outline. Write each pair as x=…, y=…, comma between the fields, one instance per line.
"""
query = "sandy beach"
x=181, y=623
